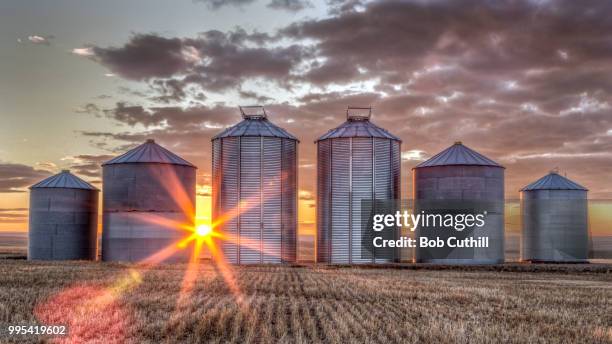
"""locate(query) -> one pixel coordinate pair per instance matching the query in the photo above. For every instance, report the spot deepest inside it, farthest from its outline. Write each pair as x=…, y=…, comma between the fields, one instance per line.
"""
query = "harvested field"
x=115, y=303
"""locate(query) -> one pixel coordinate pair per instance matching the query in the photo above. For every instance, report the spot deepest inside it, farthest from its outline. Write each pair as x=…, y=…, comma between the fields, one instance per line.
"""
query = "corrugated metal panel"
x=440, y=187
x=65, y=180
x=289, y=176
x=458, y=154
x=272, y=199
x=340, y=200
x=383, y=177
x=146, y=206
x=323, y=200
x=228, y=196
x=250, y=199
x=149, y=152
x=554, y=225
x=351, y=170
x=63, y=224
x=362, y=189
x=257, y=176
x=396, y=169
x=554, y=181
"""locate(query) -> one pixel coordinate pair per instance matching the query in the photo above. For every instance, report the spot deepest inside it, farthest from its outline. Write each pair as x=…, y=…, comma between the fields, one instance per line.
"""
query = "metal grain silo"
x=148, y=204
x=554, y=220
x=454, y=181
x=254, y=193
x=355, y=161
x=63, y=219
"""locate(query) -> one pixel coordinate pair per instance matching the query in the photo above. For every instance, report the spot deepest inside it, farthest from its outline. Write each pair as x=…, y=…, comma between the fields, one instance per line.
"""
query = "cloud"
x=290, y=5
x=144, y=56
x=16, y=177
x=39, y=39
x=86, y=164
x=88, y=51
x=89, y=108
x=525, y=84
x=213, y=60
x=306, y=195
x=216, y=4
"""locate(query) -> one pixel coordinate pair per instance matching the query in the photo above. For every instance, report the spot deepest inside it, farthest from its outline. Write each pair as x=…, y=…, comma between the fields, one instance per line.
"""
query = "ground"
x=120, y=303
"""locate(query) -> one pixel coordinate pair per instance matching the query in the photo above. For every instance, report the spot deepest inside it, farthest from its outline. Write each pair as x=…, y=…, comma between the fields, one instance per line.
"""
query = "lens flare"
x=203, y=230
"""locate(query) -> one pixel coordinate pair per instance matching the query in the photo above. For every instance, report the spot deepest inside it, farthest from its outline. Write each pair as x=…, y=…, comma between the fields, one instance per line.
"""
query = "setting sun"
x=203, y=230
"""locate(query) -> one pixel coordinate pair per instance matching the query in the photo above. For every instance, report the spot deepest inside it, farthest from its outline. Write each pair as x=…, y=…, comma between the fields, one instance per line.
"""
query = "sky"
x=527, y=83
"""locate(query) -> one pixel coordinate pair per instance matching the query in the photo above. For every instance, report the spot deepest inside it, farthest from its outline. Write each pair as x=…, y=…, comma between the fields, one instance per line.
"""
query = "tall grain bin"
x=355, y=161
x=254, y=193
x=63, y=219
x=554, y=220
x=148, y=204
x=454, y=181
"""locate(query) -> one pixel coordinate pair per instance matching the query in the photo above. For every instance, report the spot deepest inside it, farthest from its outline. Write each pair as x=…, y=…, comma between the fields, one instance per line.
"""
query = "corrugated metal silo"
x=355, y=161
x=555, y=223
x=63, y=219
x=148, y=204
x=254, y=193
x=450, y=181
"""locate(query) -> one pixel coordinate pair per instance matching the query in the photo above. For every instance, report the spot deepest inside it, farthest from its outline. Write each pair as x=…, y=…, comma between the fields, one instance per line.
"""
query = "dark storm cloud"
x=172, y=117
x=15, y=177
x=289, y=5
x=144, y=56
x=390, y=38
x=214, y=60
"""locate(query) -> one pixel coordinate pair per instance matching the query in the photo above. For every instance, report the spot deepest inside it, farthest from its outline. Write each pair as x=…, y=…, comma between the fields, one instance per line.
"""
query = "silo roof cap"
x=149, y=152
x=65, y=180
x=554, y=181
x=255, y=123
x=358, y=125
x=458, y=154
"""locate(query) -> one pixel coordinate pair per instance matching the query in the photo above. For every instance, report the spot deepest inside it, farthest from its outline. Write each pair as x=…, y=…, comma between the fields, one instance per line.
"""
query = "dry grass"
x=307, y=304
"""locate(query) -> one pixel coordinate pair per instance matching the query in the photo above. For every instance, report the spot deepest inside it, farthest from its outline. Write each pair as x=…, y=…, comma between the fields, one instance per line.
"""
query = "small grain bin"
x=254, y=192
x=148, y=204
x=459, y=181
x=63, y=219
x=554, y=220
x=355, y=161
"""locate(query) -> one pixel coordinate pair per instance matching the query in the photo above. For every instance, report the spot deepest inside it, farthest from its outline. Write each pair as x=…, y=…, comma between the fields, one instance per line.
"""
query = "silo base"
x=543, y=261
x=461, y=261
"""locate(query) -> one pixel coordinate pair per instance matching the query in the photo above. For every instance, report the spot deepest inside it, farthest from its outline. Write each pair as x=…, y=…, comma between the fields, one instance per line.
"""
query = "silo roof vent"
x=253, y=112
x=458, y=154
x=354, y=113
x=255, y=123
x=65, y=180
x=358, y=125
x=149, y=152
x=554, y=181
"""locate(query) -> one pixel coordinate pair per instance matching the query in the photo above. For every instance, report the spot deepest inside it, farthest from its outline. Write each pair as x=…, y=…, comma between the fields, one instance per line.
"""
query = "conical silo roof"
x=65, y=180
x=255, y=123
x=458, y=154
x=554, y=181
x=149, y=152
x=358, y=125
